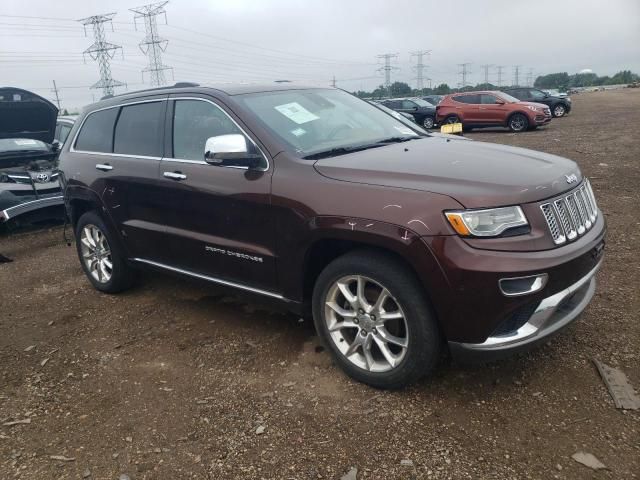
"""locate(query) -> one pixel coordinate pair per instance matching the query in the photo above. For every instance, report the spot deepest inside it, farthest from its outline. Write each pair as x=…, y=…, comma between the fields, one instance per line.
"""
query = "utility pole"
x=102, y=51
x=55, y=90
x=333, y=82
x=153, y=44
x=486, y=68
x=420, y=67
x=387, y=68
x=500, y=68
x=516, y=75
x=464, y=72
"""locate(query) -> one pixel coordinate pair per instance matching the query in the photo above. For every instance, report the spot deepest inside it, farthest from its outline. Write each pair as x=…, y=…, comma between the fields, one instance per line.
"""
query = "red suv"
x=492, y=109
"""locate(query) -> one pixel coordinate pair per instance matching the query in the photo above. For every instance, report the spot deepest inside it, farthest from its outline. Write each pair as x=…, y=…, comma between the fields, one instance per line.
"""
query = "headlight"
x=486, y=223
x=531, y=107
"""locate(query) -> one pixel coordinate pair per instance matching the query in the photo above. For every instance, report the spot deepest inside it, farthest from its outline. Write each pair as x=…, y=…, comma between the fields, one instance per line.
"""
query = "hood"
x=534, y=104
x=476, y=174
x=24, y=114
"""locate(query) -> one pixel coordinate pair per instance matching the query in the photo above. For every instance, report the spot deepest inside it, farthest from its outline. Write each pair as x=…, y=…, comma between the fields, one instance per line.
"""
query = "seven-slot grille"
x=571, y=215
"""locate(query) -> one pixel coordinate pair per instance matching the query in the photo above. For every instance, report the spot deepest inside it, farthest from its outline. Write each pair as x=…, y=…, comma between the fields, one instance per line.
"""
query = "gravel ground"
x=176, y=380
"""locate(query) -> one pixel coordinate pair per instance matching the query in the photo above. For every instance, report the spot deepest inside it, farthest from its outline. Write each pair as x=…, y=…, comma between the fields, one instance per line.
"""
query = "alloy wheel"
x=518, y=123
x=96, y=253
x=366, y=323
x=558, y=110
x=427, y=123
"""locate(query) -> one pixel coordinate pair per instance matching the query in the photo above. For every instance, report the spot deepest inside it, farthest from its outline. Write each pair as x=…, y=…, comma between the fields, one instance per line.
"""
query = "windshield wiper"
x=398, y=139
x=333, y=152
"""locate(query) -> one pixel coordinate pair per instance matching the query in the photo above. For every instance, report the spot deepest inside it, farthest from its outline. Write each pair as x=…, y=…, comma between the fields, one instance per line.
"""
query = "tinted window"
x=407, y=104
x=536, y=94
x=486, y=99
x=193, y=122
x=467, y=98
x=519, y=94
x=139, y=130
x=63, y=133
x=96, y=134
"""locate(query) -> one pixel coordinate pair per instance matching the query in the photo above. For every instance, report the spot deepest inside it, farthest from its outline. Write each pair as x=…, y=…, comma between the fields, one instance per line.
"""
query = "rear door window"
x=139, y=130
x=472, y=98
x=96, y=134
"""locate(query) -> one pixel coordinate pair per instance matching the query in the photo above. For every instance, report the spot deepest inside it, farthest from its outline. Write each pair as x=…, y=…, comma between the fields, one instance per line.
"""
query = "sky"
x=311, y=42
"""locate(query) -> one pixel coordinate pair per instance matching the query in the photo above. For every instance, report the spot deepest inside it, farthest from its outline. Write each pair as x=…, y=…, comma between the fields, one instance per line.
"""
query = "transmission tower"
x=153, y=45
x=500, y=68
x=420, y=67
x=102, y=51
x=387, y=68
x=530, y=78
x=516, y=75
x=463, y=73
x=486, y=68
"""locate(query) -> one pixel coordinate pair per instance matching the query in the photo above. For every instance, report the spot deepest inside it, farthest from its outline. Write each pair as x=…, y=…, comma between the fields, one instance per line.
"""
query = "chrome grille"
x=571, y=215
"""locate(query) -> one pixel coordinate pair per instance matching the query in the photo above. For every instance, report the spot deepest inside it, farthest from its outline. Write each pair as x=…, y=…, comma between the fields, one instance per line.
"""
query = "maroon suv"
x=492, y=109
x=398, y=241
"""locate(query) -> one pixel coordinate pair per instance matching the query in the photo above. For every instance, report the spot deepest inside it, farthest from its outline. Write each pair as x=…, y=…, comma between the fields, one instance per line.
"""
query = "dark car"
x=423, y=112
x=63, y=127
x=399, y=242
x=399, y=115
x=433, y=99
x=559, y=105
x=492, y=109
x=28, y=156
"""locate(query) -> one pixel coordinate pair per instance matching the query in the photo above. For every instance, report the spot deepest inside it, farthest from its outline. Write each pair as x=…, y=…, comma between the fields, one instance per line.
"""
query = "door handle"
x=175, y=175
x=105, y=167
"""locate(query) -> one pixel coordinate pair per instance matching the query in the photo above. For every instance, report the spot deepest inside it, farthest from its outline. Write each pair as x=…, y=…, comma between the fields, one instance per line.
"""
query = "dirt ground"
x=175, y=379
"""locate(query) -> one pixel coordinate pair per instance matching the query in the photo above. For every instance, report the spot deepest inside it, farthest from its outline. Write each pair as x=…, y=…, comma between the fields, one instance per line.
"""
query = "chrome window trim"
x=209, y=278
x=72, y=147
x=184, y=160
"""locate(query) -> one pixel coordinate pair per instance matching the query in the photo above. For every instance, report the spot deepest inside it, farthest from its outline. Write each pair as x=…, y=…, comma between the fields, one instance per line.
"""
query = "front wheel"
x=559, y=110
x=428, y=122
x=372, y=313
x=518, y=122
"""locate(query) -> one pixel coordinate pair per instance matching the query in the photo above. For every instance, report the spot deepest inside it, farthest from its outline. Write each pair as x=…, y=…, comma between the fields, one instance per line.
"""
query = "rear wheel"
x=372, y=313
x=102, y=259
x=452, y=119
x=518, y=122
x=559, y=110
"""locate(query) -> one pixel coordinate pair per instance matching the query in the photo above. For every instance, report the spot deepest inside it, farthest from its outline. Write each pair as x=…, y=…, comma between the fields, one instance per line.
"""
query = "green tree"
x=442, y=89
x=400, y=89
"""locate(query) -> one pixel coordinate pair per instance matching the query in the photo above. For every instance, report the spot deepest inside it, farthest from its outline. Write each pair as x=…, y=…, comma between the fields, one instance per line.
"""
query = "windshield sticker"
x=405, y=131
x=296, y=112
x=26, y=142
x=299, y=132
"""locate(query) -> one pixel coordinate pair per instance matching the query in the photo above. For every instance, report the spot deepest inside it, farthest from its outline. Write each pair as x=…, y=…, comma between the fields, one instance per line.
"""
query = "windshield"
x=320, y=120
x=21, y=145
x=400, y=117
x=506, y=97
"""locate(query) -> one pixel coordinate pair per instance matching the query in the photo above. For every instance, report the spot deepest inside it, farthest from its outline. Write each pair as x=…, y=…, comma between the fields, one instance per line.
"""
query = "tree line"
x=560, y=81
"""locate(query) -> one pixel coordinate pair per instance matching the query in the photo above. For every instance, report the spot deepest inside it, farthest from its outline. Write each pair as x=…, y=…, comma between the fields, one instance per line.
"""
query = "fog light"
x=516, y=286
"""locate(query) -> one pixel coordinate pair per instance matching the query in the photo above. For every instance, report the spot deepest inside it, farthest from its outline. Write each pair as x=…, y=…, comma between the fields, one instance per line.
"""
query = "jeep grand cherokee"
x=399, y=242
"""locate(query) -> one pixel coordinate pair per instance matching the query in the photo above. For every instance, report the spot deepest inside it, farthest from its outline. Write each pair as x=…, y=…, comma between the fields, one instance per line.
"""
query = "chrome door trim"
x=175, y=175
x=209, y=278
x=103, y=167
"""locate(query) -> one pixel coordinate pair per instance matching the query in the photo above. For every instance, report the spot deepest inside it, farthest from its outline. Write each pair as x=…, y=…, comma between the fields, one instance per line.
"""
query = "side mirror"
x=415, y=109
x=230, y=151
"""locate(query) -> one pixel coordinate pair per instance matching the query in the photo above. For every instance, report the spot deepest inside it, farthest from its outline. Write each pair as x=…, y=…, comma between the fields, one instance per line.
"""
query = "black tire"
x=559, y=110
x=452, y=119
x=121, y=274
x=518, y=122
x=428, y=122
x=424, y=341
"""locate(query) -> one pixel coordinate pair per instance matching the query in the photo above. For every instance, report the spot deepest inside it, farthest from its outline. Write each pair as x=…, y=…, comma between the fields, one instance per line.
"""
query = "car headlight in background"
x=486, y=223
x=531, y=107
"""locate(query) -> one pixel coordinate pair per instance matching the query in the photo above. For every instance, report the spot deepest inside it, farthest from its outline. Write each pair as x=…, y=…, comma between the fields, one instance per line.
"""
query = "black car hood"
x=24, y=114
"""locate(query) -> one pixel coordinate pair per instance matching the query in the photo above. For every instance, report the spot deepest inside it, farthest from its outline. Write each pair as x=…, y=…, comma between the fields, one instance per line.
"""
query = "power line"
x=464, y=72
x=420, y=67
x=55, y=89
x=102, y=51
x=153, y=45
x=387, y=68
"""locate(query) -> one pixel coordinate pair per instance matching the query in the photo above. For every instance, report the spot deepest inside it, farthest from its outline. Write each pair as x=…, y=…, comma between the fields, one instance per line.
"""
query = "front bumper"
x=551, y=315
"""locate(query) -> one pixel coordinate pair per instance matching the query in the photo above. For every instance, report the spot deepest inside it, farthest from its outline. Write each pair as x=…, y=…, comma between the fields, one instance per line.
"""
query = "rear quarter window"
x=96, y=134
x=139, y=130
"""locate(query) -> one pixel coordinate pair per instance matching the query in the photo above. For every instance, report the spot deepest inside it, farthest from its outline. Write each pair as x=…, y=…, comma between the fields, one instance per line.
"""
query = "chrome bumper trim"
x=16, y=210
x=541, y=323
